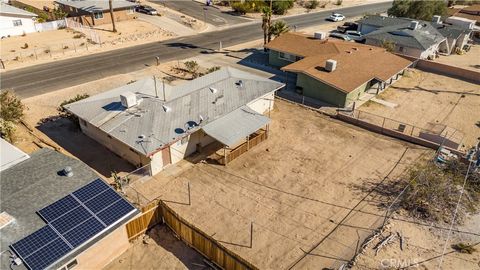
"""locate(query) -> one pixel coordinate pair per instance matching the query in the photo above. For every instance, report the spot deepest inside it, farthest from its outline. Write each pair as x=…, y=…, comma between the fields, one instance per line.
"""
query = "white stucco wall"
x=263, y=104
x=8, y=29
x=116, y=146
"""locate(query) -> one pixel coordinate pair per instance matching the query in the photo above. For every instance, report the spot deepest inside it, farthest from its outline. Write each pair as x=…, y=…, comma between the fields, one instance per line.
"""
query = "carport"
x=238, y=132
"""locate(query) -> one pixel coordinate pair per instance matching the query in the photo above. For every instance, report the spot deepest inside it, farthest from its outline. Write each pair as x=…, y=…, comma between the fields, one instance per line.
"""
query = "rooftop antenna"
x=155, y=83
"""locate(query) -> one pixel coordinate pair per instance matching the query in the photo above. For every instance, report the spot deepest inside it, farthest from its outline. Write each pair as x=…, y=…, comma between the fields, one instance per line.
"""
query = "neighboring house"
x=150, y=123
x=55, y=213
x=15, y=21
x=420, y=39
x=96, y=12
x=10, y=155
x=333, y=71
x=471, y=12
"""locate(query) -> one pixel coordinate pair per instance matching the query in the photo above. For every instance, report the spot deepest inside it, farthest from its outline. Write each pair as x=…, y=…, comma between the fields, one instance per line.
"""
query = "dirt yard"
x=424, y=98
x=158, y=249
x=20, y=51
x=296, y=188
x=469, y=60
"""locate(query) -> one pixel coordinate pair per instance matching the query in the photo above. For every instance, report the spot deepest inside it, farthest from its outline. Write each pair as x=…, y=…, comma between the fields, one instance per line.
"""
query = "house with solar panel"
x=55, y=213
x=151, y=123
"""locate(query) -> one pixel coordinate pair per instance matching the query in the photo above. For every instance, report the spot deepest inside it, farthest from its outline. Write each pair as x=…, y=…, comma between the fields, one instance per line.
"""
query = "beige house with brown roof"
x=335, y=72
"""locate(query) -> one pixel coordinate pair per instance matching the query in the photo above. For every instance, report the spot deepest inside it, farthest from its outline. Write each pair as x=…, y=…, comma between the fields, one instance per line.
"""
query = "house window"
x=287, y=57
x=17, y=22
x=98, y=15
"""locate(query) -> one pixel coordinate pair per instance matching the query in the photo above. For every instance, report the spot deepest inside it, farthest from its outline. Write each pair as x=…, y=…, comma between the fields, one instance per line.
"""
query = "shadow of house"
x=66, y=133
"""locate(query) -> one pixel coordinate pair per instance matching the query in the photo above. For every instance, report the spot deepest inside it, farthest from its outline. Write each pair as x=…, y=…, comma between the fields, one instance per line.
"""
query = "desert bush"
x=388, y=45
x=25, y=46
x=65, y=47
x=311, y=4
x=338, y=2
x=281, y=7
x=212, y=69
x=192, y=67
x=11, y=113
x=78, y=35
x=464, y=248
x=65, y=113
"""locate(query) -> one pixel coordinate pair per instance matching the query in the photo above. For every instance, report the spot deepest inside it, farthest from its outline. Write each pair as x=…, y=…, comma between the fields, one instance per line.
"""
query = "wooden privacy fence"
x=158, y=212
x=253, y=140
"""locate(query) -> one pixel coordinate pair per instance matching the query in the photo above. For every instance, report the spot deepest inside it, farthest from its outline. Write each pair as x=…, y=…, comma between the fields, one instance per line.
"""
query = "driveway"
x=201, y=12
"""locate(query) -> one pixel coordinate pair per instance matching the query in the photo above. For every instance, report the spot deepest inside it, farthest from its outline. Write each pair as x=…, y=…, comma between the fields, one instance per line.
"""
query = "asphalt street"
x=43, y=78
x=201, y=12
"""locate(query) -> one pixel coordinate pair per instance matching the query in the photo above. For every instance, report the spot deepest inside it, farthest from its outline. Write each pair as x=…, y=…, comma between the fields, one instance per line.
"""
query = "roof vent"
x=166, y=108
x=141, y=136
x=67, y=171
x=331, y=65
x=413, y=25
x=213, y=90
x=128, y=99
x=436, y=19
x=320, y=35
x=239, y=83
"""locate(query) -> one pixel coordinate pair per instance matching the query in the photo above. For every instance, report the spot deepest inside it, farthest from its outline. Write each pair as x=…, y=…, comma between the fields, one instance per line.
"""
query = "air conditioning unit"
x=320, y=35
x=436, y=19
x=330, y=65
x=413, y=25
x=128, y=99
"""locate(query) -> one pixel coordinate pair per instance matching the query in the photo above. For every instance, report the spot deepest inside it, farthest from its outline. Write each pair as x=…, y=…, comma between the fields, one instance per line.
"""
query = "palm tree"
x=278, y=28
x=266, y=24
x=111, y=15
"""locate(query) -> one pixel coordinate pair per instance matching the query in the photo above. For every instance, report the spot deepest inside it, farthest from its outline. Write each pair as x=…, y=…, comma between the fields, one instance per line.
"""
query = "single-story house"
x=10, y=155
x=55, y=213
x=96, y=12
x=416, y=38
x=151, y=123
x=470, y=12
x=334, y=71
x=15, y=21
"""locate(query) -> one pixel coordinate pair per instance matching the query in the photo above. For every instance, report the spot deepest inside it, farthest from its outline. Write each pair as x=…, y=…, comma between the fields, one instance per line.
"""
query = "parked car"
x=355, y=35
x=339, y=35
x=146, y=9
x=336, y=17
x=347, y=26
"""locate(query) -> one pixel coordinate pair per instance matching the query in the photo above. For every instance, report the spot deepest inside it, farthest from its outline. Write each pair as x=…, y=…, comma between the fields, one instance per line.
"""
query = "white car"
x=355, y=35
x=336, y=17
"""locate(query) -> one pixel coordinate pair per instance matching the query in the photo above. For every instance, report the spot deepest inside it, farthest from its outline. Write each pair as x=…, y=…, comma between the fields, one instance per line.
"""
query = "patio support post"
x=248, y=142
x=225, y=154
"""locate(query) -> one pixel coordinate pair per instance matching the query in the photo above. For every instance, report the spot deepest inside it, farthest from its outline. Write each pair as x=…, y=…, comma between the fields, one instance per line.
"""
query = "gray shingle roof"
x=236, y=126
x=7, y=9
x=422, y=38
x=187, y=103
x=31, y=185
x=96, y=5
x=397, y=30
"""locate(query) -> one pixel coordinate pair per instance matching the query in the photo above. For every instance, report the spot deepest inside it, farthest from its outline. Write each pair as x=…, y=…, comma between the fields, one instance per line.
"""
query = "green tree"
x=281, y=7
x=278, y=28
x=421, y=10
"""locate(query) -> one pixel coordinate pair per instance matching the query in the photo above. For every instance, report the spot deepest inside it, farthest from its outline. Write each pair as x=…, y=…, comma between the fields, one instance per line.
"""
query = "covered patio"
x=238, y=132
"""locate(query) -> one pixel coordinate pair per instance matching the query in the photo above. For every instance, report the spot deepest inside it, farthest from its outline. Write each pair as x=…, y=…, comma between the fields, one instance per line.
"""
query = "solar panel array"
x=72, y=221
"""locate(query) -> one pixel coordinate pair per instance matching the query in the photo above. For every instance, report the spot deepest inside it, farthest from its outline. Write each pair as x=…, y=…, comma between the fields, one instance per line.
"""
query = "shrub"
x=25, y=46
x=78, y=35
x=388, y=45
x=65, y=47
x=338, y=2
x=281, y=7
x=47, y=51
x=241, y=8
x=312, y=4
x=192, y=67
x=464, y=248
x=212, y=69
x=11, y=113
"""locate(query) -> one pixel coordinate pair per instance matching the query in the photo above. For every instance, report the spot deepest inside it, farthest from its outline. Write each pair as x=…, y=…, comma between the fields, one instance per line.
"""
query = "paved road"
x=39, y=79
x=201, y=12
